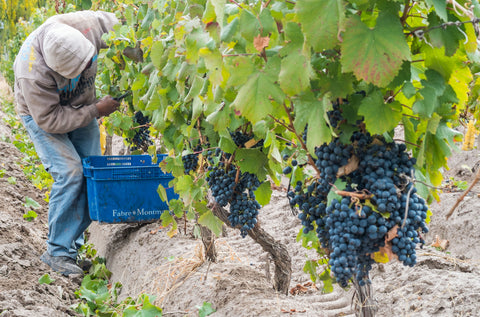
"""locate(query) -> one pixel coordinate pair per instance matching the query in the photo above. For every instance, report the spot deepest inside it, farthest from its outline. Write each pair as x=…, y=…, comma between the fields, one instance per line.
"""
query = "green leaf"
x=337, y=83
x=263, y=194
x=253, y=98
x=449, y=37
x=310, y=268
x=252, y=161
x=45, y=279
x=2, y=172
x=220, y=119
x=374, y=55
x=327, y=281
x=379, y=116
x=227, y=145
x=321, y=21
x=214, y=64
x=219, y=6
x=240, y=68
x=31, y=203
x=12, y=180
x=147, y=20
x=440, y=8
x=162, y=193
x=433, y=87
x=310, y=110
x=187, y=190
x=249, y=26
x=205, y=310
x=295, y=73
x=139, y=82
x=267, y=22
x=30, y=215
x=230, y=30
x=212, y=222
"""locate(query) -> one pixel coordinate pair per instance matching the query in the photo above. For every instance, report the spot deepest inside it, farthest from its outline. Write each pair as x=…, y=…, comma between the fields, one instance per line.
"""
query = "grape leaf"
x=310, y=268
x=440, y=8
x=310, y=110
x=374, y=55
x=448, y=37
x=45, y=279
x=264, y=193
x=253, y=161
x=156, y=53
x=213, y=62
x=379, y=116
x=253, y=98
x=219, y=6
x=162, y=193
x=321, y=22
x=31, y=203
x=206, y=310
x=212, y=222
x=186, y=189
x=249, y=26
x=240, y=68
x=295, y=73
x=267, y=22
x=229, y=30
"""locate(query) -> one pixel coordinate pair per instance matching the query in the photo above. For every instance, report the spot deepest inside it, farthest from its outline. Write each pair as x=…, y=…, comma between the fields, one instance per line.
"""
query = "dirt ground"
x=145, y=260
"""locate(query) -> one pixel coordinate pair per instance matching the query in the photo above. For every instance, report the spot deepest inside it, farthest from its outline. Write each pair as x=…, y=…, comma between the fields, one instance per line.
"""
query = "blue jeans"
x=62, y=155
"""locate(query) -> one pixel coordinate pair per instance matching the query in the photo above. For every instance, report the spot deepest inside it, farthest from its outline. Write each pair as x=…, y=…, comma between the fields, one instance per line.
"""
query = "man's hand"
x=107, y=105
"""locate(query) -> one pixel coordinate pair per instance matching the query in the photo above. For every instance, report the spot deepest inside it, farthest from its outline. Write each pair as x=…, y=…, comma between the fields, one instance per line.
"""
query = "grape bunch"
x=379, y=198
x=230, y=186
x=190, y=161
x=141, y=140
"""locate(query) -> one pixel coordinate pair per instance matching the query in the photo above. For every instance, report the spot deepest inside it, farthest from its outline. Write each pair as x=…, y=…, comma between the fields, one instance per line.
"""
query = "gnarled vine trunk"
x=363, y=301
x=277, y=250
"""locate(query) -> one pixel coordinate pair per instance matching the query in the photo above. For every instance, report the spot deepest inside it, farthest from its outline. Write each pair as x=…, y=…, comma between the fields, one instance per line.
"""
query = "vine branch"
x=460, y=199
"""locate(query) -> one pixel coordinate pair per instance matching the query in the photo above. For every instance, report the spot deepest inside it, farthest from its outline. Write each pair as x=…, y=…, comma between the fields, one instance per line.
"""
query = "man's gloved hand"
x=107, y=105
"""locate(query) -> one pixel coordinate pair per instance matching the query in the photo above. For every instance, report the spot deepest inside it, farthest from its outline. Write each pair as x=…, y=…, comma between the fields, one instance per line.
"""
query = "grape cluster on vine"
x=141, y=140
x=228, y=184
x=379, y=198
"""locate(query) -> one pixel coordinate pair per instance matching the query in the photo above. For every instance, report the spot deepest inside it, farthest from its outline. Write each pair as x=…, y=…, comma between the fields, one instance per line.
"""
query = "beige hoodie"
x=51, y=82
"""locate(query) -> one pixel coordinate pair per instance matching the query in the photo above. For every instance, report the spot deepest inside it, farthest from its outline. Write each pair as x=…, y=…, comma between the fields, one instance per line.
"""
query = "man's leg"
x=67, y=218
x=86, y=141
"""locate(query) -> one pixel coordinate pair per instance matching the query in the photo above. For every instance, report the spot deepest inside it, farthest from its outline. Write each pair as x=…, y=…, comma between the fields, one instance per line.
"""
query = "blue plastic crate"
x=124, y=188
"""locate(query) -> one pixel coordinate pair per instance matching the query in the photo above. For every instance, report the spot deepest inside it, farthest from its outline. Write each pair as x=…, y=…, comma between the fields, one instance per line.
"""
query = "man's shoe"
x=85, y=264
x=62, y=264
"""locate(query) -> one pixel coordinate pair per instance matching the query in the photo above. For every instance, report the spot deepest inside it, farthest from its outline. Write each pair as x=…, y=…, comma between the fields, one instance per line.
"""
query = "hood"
x=66, y=50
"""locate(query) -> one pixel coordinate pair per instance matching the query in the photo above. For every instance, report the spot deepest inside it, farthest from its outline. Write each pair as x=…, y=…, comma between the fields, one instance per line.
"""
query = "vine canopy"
x=206, y=66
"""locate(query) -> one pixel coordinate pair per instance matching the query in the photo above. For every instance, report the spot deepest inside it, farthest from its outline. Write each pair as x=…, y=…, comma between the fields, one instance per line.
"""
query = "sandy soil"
x=145, y=259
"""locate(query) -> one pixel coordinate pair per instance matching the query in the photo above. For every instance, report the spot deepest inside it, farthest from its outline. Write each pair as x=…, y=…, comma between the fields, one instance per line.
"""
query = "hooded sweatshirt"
x=52, y=81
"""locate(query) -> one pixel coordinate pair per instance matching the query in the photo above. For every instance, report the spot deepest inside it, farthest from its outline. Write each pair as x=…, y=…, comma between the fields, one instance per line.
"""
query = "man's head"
x=66, y=50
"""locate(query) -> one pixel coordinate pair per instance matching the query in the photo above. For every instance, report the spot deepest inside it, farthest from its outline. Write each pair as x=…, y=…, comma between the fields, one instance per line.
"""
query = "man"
x=55, y=98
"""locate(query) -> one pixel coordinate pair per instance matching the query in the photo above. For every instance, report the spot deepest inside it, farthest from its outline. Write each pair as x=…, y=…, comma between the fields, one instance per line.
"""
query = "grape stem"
x=412, y=144
x=146, y=125
x=408, y=201
x=359, y=195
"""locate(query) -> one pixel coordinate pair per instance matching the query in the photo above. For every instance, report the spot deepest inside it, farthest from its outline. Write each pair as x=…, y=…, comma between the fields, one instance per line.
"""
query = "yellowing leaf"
x=380, y=257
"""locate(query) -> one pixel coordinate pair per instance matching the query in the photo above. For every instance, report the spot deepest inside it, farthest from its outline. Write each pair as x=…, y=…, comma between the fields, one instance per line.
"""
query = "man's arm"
x=44, y=105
